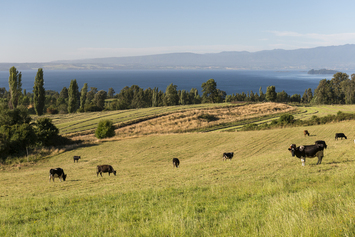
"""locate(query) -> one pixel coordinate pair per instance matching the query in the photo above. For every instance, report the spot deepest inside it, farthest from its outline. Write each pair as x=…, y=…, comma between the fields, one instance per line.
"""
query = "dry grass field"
x=262, y=191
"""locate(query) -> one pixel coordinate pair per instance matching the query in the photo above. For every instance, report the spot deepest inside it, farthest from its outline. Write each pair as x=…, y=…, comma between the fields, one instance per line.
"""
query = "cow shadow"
x=74, y=180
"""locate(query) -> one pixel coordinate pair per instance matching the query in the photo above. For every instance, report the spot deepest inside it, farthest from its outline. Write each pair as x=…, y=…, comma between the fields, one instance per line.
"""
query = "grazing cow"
x=341, y=135
x=305, y=132
x=105, y=169
x=76, y=158
x=321, y=143
x=307, y=151
x=57, y=173
x=227, y=155
x=176, y=162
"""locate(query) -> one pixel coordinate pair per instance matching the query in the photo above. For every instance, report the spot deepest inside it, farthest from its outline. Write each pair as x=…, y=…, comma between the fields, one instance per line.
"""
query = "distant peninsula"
x=322, y=71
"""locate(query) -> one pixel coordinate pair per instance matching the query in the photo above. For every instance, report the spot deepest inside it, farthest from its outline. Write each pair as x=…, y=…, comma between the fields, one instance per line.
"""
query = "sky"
x=47, y=30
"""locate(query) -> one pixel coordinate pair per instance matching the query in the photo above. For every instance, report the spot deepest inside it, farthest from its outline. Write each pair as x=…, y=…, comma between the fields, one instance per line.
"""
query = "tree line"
x=339, y=90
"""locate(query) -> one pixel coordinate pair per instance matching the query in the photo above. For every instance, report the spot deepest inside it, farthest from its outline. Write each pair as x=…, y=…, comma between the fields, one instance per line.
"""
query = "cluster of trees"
x=18, y=133
x=271, y=95
x=70, y=100
x=339, y=90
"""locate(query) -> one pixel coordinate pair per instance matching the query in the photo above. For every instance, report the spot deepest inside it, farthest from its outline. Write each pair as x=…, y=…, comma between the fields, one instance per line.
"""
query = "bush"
x=105, y=129
x=286, y=119
x=208, y=117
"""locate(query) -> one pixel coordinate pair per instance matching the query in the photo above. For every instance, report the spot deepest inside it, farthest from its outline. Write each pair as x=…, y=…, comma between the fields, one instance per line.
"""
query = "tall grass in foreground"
x=262, y=191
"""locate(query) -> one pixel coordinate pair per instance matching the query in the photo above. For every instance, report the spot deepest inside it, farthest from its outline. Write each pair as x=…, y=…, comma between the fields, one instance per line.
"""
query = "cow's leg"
x=303, y=159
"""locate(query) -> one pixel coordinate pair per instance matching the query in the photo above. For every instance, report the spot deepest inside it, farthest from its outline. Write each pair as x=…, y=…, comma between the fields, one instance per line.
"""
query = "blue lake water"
x=230, y=81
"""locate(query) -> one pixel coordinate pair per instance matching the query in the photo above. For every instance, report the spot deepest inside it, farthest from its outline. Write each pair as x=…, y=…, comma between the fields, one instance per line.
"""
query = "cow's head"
x=114, y=172
x=292, y=149
x=64, y=177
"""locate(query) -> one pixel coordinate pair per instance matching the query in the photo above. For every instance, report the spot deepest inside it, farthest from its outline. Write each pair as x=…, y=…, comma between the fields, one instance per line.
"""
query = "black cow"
x=307, y=151
x=341, y=135
x=227, y=155
x=57, y=173
x=321, y=143
x=76, y=158
x=105, y=169
x=176, y=162
x=305, y=132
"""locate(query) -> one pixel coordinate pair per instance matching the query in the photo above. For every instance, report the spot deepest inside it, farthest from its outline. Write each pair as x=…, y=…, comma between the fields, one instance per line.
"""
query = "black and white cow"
x=76, y=158
x=341, y=135
x=228, y=155
x=105, y=169
x=176, y=162
x=57, y=173
x=310, y=151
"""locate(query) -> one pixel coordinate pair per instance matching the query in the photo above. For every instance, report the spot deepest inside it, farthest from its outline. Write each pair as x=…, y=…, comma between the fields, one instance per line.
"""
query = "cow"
x=105, y=169
x=321, y=143
x=341, y=135
x=57, y=173
x=176, y=162
x=305, y=132
x=76, y=158
x=310, y=151
x=227, y=155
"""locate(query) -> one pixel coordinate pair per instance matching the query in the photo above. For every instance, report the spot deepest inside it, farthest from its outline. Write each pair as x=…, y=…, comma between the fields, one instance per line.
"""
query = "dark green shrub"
x=47, y=132
x=208, y=117
x=105, y=129
x=286, y=119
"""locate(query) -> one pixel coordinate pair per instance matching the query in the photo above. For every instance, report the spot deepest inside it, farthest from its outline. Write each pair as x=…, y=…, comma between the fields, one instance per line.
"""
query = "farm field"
x=262, y=191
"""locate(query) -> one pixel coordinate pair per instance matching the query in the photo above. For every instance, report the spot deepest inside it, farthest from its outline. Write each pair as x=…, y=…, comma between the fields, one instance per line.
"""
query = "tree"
x=209, y=90
x=336, y=82
x=99, y=99
x=171, y=95
x=84, y=91
x=271, y=94
x=15, y=85
x=39, y=92
x=282, y=96
x=110, y=92
x=323, y=94
x=64, y=93
x=261, y=94
x=73, y=96
x=309, y=95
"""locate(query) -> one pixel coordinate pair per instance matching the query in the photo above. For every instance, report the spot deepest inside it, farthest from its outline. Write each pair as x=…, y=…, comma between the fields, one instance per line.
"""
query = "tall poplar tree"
x=15, y=85
x=39, y=92
x=73, y=96
x=84, y=91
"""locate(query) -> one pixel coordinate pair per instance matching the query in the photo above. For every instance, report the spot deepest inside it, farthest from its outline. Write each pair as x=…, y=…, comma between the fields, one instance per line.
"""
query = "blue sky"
x=43, y=31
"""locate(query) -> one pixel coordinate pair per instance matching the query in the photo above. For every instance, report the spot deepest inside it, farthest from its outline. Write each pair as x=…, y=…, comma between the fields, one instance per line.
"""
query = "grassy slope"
x=263, y=191
x=78, y=122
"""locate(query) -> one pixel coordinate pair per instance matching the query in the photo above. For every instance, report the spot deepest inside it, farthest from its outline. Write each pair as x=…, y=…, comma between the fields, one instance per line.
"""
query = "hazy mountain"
x=331, y=57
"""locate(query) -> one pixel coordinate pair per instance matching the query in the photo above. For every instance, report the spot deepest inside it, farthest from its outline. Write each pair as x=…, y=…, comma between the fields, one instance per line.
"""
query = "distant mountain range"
x=330, y=57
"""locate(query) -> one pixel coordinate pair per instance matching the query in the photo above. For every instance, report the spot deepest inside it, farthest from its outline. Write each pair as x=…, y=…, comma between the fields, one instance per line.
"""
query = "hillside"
x=332, y=57
x=262, y=191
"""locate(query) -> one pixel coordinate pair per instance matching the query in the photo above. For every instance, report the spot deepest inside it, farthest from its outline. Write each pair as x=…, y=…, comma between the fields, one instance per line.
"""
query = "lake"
x=230, y=81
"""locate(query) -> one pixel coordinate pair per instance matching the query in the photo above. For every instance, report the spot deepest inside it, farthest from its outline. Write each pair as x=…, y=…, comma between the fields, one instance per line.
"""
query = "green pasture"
x=262, y=191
